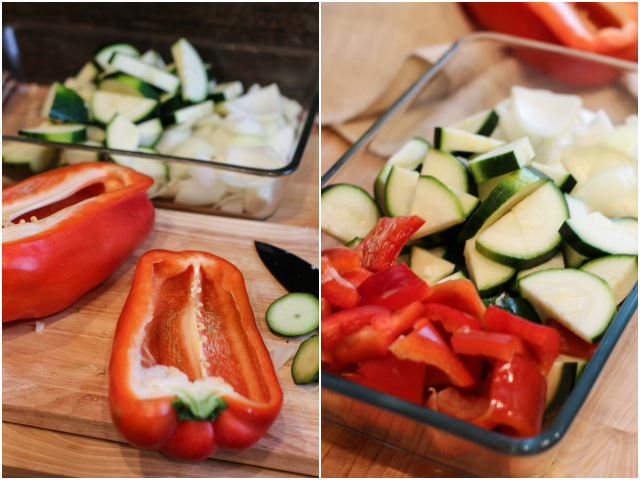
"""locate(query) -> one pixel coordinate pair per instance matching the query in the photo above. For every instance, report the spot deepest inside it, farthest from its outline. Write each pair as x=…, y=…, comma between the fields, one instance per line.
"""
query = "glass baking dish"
x=36, y=55
x=475, y=74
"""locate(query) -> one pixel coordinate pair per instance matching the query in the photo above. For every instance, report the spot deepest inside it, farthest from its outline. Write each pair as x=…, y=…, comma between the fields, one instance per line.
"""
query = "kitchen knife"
x=293, y=273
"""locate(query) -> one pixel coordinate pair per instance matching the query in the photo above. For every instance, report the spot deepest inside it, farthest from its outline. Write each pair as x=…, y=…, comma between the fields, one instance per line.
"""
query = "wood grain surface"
x=47, y=379
x=602, y=441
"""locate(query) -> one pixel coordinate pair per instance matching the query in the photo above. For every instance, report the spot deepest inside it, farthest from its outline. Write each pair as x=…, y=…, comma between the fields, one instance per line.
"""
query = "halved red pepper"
x=460, y=294
x=189, y=371
x=393, y=288
x=383, y=244
x=426, y=345
x=65, y=231
x=336, y=289
x=543, y=340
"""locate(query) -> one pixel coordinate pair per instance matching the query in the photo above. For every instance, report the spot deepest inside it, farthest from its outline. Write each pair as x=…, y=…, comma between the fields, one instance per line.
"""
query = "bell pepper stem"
x=191, y=406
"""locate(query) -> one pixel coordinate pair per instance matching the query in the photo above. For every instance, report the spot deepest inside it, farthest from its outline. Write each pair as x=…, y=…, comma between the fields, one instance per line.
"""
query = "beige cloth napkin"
x=372, y=52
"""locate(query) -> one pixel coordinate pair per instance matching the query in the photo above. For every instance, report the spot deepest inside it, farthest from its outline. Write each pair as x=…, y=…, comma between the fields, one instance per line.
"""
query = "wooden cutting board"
x=47, y=381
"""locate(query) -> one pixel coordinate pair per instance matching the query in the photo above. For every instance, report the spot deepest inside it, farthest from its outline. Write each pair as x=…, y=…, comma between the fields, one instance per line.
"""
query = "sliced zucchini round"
x=104, y=54
x=347, y=212
x=437, y=205
x=294, y=314
x=191, y=70
x=594, y=236
x=399, y=191
x=411, y=154
x=153, y=76
x=504, y=159
x=64, y=104
x=124, y=84
x=619, y=271
x=446, y=168
x=57, y=133
x=104, y=105
x=38, y=158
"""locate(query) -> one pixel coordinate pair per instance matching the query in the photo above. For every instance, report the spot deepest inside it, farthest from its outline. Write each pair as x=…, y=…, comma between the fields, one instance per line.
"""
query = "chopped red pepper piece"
x=517, y=397
x=326, y=308
x=399, y=321
x=336, y=289
x=345, y=322
x=544, y=341
x=189, y=371
x=400, y=378
x=393, y=288
x=469, y=406
x=90, y=218
x=426, y=345
x=570, y=343
x=452, y=320
x=460, y=294
x=356, y=277
x=383, y=244
x=366, y=343
x=343, y=259
x=489, y=344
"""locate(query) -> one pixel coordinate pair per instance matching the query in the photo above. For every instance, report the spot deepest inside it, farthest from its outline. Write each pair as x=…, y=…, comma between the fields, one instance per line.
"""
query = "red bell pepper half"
x=426, y=345
x=460, y=294
x=400, y=378
x=383, y=244
x=335, y=289
x=393, y=288
x=189, y=371
x=65, y=231
x=543, y=340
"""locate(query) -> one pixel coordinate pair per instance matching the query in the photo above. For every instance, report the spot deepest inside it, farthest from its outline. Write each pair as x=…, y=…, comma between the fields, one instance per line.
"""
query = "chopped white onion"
x=281, y=355
x=40, y=327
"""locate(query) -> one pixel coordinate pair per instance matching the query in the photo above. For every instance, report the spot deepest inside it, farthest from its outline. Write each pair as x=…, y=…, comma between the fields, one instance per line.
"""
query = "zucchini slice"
x=594, y=236
x=37, y=157
x=411, y=154
x=446, y=168
x=504, y=159
x=488, y=276
x=619, y=271
x=187, y=114
x=452, y=140
x=628, y=224
x=124, y=84
x=563, y=179
x=191, y=70
x=153, y=76
x=399, y=191
x=105, y=105
x=482, y=123
x=437, y=205
x=528, y=235
x=226, y=91
x=69, y=156
x=306, y=363
x=347, y=212
x=104, y=54
x=379, y=188
x=514, y=188
x=68, y=133
x=294, y=314
x=150, y=132
x=579, y=300
x=62, y=103
x=429, y=267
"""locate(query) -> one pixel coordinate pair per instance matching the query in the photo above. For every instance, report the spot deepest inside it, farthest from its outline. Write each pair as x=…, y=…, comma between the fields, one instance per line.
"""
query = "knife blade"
x=292, y=272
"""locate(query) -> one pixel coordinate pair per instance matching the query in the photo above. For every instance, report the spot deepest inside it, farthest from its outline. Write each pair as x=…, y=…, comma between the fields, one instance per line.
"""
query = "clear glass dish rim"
x=289, y=168
x=507, y=40
x=485, y=438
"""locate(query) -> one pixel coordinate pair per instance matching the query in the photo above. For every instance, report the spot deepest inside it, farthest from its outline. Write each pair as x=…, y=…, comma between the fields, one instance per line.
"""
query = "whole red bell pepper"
x=189, y=371
x=393, y=288
x=65, y=231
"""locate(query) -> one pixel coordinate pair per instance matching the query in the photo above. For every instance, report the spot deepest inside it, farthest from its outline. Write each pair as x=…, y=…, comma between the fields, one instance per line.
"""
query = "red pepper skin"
x=73, y=252
x=160, y=293
x=343, y=259
x=399, y=321
x=363, y=345
x=326, y=308
x=393, y=288
x=570, y=343
x=489, y=344
x=452, y=320
x=336, y=289
x=517, y=397
x=460, y=294
x=544, y=341
x=345, y=322
x=383, y=244
x=356, y=277
x=426, y=345
x=400, y=378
